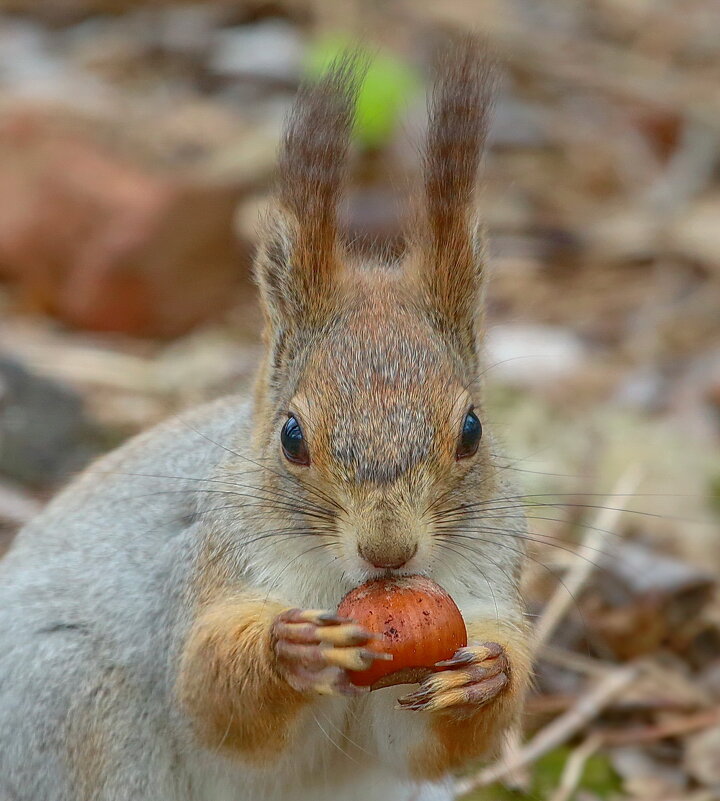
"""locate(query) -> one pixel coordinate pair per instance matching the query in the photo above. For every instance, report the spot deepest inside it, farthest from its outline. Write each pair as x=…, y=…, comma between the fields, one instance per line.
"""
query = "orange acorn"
x=419, y=623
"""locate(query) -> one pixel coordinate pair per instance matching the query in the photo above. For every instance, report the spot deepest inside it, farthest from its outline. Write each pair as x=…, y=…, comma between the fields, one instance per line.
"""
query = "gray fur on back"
x=91, y=605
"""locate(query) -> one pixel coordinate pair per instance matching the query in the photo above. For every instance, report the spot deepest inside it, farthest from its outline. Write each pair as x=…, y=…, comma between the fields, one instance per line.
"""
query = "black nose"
x=387, y=558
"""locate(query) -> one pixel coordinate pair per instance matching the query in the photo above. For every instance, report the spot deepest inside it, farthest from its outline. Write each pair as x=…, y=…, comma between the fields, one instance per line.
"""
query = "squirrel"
x=168, y=624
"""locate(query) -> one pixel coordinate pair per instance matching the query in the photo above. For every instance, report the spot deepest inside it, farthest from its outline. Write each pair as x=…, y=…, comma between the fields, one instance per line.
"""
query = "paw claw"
x=380, y=655
x=472, y=654
x=315, y=649
x=348, y=658
x=473, y=677
x=344, y=635
x=459, y=658
x=331, y=619
x=414, y=698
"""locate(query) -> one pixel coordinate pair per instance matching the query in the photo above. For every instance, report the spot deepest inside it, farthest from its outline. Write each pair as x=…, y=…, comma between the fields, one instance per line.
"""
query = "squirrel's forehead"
x=397, y=351
x=387, y=376
x=381, y=396
x=379, y=382
x=381, y=450
x=379, y=408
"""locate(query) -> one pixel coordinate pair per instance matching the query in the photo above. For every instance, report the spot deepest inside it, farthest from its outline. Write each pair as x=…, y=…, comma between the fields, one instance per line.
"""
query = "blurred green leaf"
x=388, y=85
x=598, y=777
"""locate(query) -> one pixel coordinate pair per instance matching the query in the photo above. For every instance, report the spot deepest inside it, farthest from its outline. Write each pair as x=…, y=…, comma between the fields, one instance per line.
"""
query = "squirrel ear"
x=449, y=254
x=299, y=254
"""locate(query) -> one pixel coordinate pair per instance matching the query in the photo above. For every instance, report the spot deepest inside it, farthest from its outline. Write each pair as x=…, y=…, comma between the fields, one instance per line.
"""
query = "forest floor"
x=137, y=147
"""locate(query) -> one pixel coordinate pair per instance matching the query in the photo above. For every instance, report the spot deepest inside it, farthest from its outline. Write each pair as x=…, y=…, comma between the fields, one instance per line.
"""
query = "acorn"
x=419, y=624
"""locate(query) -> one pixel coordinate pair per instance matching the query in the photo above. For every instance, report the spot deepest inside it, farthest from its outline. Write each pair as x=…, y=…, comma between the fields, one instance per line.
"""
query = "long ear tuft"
x=299, y=253
x=450, y=258
x=314, y=155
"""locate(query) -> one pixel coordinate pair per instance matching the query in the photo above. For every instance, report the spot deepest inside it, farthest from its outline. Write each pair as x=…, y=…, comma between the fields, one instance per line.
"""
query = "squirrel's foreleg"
x=228, y=681
x=249, y=666
x=470, y=704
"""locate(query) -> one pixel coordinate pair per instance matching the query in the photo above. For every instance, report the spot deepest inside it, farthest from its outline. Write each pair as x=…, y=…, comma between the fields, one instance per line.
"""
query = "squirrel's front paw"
x=472, y=678
x=314, y=649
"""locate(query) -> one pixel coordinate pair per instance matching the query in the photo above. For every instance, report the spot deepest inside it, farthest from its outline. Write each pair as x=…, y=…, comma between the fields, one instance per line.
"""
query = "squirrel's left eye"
x=470, y=436
x=293, y=442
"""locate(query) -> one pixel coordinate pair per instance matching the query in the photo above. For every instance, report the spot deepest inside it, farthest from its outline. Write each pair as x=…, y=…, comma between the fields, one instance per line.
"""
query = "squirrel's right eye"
x=470, y=435
x=293, y=442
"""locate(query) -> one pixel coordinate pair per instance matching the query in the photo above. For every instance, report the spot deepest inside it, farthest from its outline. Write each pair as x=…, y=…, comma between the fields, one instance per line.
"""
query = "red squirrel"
x=168, y=625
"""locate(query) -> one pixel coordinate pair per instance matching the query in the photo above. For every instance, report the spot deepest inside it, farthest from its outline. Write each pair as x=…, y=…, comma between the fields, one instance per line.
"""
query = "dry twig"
x=661, y=731
x=574, y=767
x=559, y=731
x=599, y=532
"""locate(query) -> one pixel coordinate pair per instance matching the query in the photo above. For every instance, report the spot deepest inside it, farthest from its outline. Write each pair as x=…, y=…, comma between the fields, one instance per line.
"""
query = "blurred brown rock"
x=92, y=235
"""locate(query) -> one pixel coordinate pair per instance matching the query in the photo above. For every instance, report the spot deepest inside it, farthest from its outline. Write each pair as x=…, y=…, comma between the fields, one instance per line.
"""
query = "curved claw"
x=315, y=649
x=470, y=679
x=318, y=617
x=472, y=654
x=470, y=695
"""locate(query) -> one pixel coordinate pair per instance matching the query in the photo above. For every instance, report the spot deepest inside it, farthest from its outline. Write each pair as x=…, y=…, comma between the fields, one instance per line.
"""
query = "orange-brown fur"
x=228, y=683
x=457, y=739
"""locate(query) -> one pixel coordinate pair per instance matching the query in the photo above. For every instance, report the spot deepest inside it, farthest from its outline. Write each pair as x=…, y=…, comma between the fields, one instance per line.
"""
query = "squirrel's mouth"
x=411, y=567
x=392, y=572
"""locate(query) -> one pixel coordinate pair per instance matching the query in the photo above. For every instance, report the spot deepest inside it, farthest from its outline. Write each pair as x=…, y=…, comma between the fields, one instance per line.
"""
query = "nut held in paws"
x=419, y=623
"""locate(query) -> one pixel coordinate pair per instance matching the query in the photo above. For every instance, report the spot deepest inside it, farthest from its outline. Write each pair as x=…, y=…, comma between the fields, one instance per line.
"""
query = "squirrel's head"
x=368, y=404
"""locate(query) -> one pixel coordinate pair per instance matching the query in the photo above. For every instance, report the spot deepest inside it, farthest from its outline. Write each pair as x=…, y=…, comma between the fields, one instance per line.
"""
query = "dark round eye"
x=293, y=442
x=469, y=437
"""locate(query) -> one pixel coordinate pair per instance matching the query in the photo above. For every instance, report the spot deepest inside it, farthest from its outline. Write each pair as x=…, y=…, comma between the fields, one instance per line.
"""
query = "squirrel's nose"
x=389, y=558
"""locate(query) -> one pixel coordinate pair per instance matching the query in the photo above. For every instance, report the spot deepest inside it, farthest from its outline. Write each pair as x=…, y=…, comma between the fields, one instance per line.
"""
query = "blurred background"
x=137, y=149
